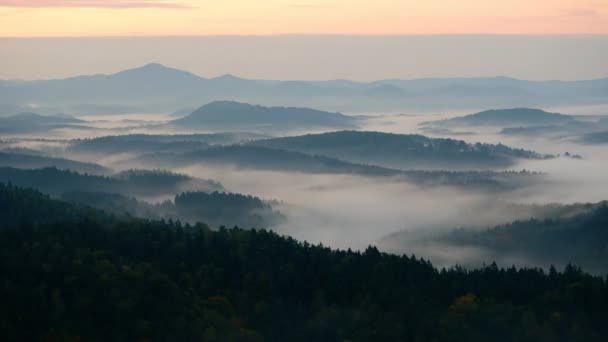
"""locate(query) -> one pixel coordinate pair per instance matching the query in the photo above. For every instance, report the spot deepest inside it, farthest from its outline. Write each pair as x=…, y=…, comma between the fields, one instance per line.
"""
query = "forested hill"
x=146, y=143
x=507, y=117
x=132, y=183
x=215, y=209
x=404, y=151
x=126, y=280
x=231, y=114
x=270, y=159
x=582, y=239
x=33, y=123
x=31, y=161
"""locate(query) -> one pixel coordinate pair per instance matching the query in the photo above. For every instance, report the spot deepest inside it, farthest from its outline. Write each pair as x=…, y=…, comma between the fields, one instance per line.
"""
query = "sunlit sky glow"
x=47, y=18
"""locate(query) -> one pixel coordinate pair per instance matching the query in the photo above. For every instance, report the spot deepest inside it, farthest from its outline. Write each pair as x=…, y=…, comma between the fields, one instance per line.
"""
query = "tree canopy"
x=72, y=273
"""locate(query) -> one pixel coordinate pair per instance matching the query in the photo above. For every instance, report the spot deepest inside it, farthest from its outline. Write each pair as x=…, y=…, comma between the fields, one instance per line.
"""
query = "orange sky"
x=41, y=18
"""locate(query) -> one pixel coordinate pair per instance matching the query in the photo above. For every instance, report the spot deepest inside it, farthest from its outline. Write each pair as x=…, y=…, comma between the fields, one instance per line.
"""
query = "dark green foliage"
x=118, y=205
x=226, y=209
x=25, y=206
x=128, y=280
x=166, y=181
x=216, y=208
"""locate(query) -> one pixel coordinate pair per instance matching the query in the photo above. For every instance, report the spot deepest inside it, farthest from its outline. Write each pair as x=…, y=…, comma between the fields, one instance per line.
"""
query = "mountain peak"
x=227, y=77
x=157, y=70
x=154, y=66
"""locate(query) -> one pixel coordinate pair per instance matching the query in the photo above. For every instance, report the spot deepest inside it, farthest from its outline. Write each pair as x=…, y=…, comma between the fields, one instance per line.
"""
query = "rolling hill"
x=72, y=273
x=595, y=138
x=556, y=235
x=230, y=115
x=32, y=161
x=506, y=118
x=148, y=143
x=401, y=151
x=270, y=159
x=152, y=183
x=24, y=123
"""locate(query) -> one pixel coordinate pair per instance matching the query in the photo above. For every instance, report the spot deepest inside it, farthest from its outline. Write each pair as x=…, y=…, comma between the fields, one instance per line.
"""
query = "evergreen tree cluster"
x=75, y=274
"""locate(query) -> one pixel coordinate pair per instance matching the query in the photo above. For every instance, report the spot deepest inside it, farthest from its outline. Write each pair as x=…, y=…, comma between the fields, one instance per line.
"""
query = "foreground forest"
x=75, y=273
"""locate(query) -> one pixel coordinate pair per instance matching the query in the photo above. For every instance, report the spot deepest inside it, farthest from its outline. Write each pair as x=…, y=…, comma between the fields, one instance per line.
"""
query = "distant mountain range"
x=155, y=87
x=231, y=115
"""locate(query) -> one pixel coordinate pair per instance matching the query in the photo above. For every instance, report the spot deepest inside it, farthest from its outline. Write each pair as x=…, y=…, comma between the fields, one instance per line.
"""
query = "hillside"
x=100, y=278
x=147, y=143
x=595, y=138
x=270, y=159
x=575, y=234
x=400, y=150
x=236, y=115
x=215, y=209
x=32, y=161
x=131, y=183
x=28, y=123
x=507, y=118
x=254, y=157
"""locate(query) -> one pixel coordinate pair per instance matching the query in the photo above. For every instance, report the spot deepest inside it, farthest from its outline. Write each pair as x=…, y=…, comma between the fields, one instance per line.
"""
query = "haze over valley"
x=156, y=203
x=343, y=179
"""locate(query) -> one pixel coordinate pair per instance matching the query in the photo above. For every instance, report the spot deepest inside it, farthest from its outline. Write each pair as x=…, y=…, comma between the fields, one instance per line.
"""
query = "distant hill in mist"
x=277, y=160
x=506, y=117
x=23, y=123
x=236, y=115
x=213, y=208
x=403, y=151
x=155, y=88
x=148, y=143
x=187, y=198
x=151, y=183
x=575, y=234
x=32, y=161
x=595, y=138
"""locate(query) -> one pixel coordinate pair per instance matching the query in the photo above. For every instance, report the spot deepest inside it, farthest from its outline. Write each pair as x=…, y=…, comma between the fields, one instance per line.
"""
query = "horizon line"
x=298, y=80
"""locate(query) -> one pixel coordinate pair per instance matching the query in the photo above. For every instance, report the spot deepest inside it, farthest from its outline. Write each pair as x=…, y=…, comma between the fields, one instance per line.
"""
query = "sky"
x=53, y=18
x=307, y=39
x=314, y=57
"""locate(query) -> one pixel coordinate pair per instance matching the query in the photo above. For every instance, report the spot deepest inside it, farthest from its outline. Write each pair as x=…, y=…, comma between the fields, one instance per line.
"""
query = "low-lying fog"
x=352, y=211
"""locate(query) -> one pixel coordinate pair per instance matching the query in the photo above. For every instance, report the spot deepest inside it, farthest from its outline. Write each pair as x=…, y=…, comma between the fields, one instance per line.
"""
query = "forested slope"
x=93, y=278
